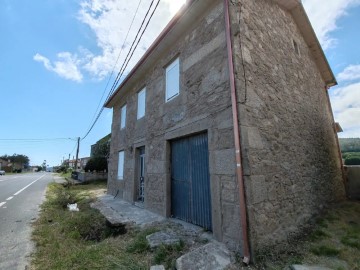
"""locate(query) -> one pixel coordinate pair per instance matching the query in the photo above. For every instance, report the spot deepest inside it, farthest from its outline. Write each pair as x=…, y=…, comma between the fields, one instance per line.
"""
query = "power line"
x=127, y=60
x=136, y=44
x=113, y=69
x=121, y=71
x=74, y=148
x=38, y=140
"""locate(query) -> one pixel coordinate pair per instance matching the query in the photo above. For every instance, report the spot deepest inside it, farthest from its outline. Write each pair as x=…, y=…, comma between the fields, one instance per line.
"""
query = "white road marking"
x=2, y=203
x=21, y=190
x=8, y=199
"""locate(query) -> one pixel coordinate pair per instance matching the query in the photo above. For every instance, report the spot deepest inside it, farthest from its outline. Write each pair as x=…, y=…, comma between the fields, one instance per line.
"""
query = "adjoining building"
x=226, y=123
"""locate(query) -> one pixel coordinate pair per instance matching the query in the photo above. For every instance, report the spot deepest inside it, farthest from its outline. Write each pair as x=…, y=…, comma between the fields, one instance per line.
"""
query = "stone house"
x=226, y=123
x=3, y=163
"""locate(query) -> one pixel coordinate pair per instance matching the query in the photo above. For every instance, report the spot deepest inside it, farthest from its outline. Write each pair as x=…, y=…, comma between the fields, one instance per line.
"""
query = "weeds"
x=318, y=235
x=140, y=244
x=168, y=254
x=79, y=240
x=352, y=237
x=325, y=251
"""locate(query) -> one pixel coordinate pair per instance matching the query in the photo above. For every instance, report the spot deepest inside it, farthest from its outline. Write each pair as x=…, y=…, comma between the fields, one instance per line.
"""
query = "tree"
x=349, y=144
x=100, y=153
x=96, y=164
x=22, y=160
x=102, y=148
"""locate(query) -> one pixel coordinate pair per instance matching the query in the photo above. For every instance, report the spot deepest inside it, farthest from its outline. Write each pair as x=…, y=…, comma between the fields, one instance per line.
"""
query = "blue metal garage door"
x=190, y=180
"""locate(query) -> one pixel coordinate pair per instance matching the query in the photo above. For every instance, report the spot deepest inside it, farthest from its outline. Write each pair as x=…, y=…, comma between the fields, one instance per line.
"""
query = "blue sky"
x=56, y=58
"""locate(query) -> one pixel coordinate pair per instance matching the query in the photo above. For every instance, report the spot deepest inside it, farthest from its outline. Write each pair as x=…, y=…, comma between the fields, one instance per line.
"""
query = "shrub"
x=96, y=164
x=61, y=197
x=352, y=161
x=325, y=251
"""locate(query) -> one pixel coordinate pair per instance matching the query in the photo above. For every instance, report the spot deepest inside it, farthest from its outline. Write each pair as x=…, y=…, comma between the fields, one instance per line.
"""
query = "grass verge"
x=333, y=242
x=83, y=240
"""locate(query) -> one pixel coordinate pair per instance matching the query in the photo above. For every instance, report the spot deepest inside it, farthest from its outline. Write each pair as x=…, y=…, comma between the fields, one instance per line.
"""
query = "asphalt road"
x=20, y=198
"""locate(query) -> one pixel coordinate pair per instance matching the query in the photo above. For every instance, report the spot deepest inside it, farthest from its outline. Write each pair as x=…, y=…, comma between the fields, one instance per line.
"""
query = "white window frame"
x=172, y=89
x=123, y=117
x=121, y=163
x=141, y=104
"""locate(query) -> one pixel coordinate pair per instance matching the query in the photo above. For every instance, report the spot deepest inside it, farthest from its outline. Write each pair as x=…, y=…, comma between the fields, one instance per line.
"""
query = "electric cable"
x=117, y=60
x=122, y=70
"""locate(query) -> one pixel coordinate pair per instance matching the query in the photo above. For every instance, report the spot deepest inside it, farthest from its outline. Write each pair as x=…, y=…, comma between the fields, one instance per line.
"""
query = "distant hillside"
x=349, y=144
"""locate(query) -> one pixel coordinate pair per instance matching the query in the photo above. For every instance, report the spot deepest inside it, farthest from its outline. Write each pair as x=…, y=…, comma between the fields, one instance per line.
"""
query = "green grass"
x=352, y=236
x=83, y=240
x=335, y=236
x=167, y=255
x=80, y=240
x=66, y=175
x=325, y=251
x=318, y=234
x=139, y=244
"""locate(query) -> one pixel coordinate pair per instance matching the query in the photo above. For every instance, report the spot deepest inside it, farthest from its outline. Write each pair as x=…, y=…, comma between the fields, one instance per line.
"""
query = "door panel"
x=190, y=180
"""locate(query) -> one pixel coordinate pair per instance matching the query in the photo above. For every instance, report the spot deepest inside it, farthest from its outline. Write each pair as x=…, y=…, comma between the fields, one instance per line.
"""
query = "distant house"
x=101, y=147
x=3, y=163
x=83, y=162
x=226, y=123
x=72, y=162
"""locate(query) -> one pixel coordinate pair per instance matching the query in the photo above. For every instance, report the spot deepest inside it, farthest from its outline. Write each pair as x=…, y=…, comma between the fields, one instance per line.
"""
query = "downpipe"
x=239, y=170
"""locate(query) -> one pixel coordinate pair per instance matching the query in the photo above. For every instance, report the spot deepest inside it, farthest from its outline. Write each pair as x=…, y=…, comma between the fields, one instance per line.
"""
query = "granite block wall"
x=291, y=163
x=203, y=105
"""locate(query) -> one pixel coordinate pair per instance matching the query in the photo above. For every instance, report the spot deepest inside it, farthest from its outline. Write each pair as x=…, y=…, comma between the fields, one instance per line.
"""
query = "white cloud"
x=66, y=66
x=350, y=73
x=110, y=20
x=324, y=16
x=346, y=106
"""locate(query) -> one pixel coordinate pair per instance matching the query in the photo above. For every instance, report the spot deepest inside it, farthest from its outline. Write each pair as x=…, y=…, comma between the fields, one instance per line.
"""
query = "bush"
x=61, y=197
x=96, y=164
x=352, y=161
x=61, y=169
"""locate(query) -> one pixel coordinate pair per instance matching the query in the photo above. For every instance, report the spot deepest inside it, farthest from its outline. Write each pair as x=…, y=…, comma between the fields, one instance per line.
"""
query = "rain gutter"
x=239, y=170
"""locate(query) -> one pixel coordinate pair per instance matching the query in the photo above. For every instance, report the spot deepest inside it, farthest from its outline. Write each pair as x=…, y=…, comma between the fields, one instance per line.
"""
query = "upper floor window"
x=172, y=80
x=141, y=104
x=123, y=117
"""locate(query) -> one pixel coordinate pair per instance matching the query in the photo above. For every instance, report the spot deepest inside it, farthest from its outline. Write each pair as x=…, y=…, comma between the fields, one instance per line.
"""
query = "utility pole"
x=77, y=152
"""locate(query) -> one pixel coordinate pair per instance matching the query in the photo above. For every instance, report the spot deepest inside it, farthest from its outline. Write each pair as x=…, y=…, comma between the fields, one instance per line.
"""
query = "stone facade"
x=291, y=163
x=204, y=104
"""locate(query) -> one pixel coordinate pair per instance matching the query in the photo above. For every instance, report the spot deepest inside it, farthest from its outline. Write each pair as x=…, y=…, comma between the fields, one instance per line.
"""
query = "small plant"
x=140, y=244
x=296, y=260
x=351, y=240
x=325, y=251
x=60, y=197
x=318, y=235
x=168, y=254
x=322, y=222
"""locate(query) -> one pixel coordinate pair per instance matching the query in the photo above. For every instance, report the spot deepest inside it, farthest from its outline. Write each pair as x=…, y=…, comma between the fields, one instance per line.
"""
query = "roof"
x=189, y=14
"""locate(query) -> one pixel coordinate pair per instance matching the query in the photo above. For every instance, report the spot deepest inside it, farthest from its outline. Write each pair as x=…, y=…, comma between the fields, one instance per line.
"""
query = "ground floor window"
x=121, y=166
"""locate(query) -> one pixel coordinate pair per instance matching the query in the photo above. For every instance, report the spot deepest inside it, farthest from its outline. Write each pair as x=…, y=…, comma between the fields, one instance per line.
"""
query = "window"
x=141, y=103
x=296, y=47
x=121, y=166
x=172, y=80
x=123, y=117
